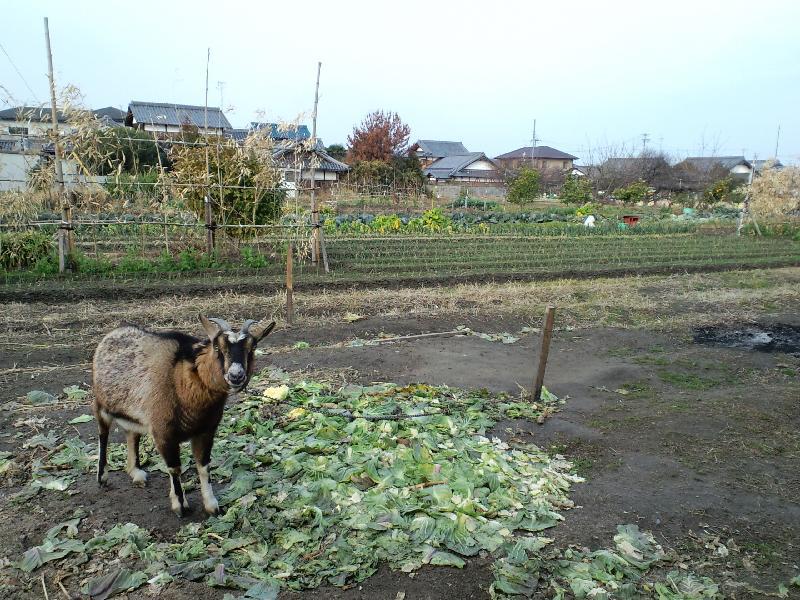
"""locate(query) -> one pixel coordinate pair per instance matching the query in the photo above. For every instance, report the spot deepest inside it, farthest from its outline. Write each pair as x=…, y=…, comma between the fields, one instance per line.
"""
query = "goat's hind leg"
x=134, y=467
x=103, y=427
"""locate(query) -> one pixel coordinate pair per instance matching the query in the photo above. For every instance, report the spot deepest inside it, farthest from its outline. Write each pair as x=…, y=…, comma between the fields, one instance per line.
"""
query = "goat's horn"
x=223, y=324
x=246, y=326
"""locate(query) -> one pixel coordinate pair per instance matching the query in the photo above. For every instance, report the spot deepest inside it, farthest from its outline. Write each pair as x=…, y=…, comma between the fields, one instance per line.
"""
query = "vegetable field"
x=457, y=255
x=424, y=257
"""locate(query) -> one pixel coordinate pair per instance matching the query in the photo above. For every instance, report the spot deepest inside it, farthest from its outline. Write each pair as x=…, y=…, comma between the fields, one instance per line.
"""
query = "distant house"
x=294, y=155
x=542, y=158
x=736, y=166
x=32, y=121
x=581, y=170
x=162, y=117
x=281, y=134
x=428, y=151
x=297, y=161
x=771, y=163
x=111, y=116
x=474, y=167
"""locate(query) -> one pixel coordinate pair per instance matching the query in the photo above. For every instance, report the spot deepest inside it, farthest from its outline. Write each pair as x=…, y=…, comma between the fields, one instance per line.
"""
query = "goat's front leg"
x=201, y=448
x=170, y=450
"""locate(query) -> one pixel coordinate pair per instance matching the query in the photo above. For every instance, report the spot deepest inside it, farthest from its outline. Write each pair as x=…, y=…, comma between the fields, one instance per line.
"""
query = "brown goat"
x=174, y=387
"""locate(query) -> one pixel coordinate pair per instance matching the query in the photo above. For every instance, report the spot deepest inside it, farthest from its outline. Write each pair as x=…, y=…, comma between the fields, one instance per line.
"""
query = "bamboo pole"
x=547, y=334
x=314, y=208
x=65, y=240
x=209, y=216
x=289, y=285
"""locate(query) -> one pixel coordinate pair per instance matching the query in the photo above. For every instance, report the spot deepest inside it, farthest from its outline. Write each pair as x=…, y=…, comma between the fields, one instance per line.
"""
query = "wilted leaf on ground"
x=74, y=392
x=70, y=528
x=350, y=317
x=121, y=580
x=45, y=440
x=686, y=586
x=301, y=345
x=40, y=397
x=637, y=547
x=50, y=550
x=47, y=482
x=81, y=419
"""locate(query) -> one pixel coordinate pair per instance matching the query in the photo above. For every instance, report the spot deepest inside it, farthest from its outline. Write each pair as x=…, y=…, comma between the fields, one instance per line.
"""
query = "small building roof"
x=305, y=156
x=112, y=113
x=709, y=162
x=162, y=113
x=439, y=149
x=772, y=163
x=457, y=166
x=538, y=152
x=279, y=132
x=29, y=113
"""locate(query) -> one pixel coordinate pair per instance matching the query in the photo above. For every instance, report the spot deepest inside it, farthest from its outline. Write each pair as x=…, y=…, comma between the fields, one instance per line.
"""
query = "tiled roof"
x=29, y=113
x=539, y=152
x=439, y=149
x=709, y=162
x=112, y=113
x=160, y=113
x=278, y=132
x=324, y=161
x=456, y=166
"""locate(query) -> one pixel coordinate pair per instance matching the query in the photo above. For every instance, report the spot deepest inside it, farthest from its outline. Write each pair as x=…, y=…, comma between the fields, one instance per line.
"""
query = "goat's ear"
x=212, y=329
x=261, y=330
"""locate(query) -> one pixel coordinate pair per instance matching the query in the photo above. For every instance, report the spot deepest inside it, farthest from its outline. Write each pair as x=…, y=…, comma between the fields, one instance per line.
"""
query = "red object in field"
x=630, y=220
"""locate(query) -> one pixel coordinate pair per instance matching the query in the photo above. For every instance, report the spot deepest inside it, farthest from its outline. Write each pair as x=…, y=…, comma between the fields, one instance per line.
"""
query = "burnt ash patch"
x=773, y=337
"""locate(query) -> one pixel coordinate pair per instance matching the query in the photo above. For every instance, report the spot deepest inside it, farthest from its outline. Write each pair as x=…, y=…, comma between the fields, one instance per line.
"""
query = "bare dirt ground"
x=690, y=441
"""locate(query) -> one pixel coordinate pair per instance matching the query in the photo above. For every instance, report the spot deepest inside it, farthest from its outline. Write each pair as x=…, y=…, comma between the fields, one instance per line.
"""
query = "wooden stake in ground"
x=289, y=285
x=65, y=242
x=547, y=335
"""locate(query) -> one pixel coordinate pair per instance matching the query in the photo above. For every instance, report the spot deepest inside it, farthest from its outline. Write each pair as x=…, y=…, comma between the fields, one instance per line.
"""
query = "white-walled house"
x=474, y=167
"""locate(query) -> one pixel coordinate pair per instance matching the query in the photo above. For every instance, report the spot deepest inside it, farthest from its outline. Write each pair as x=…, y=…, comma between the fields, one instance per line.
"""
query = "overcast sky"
x=696, y=77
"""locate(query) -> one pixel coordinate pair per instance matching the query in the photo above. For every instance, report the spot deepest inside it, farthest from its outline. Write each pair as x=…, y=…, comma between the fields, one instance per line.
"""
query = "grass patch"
x=687, y=381
x=652, y=360
x=637, y=390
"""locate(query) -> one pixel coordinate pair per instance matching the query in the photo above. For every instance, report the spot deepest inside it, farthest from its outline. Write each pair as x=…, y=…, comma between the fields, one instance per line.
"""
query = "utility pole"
x=533, y=145
x=65, y=241
x=777, y=139
x=645, y=137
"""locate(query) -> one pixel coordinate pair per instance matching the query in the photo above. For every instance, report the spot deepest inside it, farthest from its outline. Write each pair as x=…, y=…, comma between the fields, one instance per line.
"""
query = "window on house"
x=18, y=130
x=289, y=175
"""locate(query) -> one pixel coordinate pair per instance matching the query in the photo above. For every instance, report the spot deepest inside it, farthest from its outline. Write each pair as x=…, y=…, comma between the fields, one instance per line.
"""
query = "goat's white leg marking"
x=209, y=501
x=176, y=493
x=174, y=502
x=138, y=475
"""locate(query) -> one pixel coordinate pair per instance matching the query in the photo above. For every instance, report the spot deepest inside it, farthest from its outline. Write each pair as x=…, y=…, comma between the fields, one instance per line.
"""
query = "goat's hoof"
x=212, y=508
x=139, y=477
x=102, y=480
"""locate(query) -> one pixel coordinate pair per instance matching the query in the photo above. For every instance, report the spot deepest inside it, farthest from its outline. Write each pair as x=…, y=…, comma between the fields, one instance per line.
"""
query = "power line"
x=35, y=97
